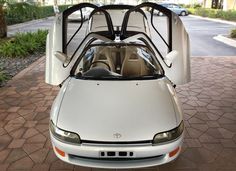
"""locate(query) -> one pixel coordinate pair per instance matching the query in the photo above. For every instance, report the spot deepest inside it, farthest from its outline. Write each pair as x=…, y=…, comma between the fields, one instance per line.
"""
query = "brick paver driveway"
x=209, y=103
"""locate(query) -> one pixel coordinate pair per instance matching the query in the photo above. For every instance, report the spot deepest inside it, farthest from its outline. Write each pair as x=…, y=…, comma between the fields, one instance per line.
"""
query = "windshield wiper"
x=119, y=77
x=110, y=77
x=147, y=77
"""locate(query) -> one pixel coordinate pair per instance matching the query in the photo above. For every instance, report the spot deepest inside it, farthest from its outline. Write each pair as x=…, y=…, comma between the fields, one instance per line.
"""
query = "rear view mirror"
x=170, y=57
x=62, y=57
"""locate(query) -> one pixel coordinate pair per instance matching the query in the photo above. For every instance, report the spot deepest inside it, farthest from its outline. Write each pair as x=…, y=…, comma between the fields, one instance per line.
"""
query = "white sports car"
x=117, y=106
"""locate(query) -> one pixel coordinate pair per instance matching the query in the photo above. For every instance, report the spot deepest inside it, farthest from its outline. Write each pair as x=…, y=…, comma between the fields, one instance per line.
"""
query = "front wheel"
x=183, y=13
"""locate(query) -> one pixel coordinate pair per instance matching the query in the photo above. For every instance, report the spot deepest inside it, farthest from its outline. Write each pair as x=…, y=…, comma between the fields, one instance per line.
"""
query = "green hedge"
x=191, y=10
x=196, y=5
x=23, y=44
x=214, y=13
x=22, y=12
x=3, y=77
x=233, y=33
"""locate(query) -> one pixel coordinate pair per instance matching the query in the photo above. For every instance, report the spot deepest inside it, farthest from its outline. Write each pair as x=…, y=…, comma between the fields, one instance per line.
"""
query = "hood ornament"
x=117, y=135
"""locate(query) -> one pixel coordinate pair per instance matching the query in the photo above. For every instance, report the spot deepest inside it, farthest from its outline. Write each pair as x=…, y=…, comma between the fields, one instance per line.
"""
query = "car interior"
x=127, y=61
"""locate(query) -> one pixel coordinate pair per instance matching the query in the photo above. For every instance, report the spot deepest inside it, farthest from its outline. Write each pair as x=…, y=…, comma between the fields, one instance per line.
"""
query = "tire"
x=183, y=13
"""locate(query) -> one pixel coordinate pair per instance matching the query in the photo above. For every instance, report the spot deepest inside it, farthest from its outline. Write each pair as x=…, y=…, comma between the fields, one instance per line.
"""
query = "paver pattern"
x=209, y=104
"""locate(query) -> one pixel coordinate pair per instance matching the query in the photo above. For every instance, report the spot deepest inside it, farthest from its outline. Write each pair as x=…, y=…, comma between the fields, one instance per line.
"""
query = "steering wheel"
x=109, y=68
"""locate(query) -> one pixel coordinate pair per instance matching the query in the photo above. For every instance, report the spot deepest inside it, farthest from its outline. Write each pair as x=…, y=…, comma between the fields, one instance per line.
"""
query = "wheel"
x=109, y=68
x=183, y=13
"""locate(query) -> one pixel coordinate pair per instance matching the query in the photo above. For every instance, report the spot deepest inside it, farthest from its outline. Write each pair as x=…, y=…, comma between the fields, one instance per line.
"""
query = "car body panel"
x=55, y=109
x=179, y=73
x=54, y=65
x=115, y=113
x=141, y=151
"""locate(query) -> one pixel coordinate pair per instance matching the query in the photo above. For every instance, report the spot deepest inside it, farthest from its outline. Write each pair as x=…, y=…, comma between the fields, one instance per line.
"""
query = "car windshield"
x=117, y=62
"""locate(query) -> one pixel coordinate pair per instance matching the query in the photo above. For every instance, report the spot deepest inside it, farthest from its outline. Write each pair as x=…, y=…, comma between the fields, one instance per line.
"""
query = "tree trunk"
x=3, y=25
x=204, y=3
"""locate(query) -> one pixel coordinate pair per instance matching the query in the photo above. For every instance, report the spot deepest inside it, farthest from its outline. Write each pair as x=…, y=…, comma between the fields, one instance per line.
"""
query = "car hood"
x=101, y=110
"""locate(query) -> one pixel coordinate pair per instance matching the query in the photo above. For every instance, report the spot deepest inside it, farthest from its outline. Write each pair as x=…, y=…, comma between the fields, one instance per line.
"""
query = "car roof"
x=108, y=19
x=98, y=24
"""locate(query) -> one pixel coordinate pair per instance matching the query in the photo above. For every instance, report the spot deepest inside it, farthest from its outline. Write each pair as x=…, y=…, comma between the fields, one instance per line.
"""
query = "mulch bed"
x=12, y=66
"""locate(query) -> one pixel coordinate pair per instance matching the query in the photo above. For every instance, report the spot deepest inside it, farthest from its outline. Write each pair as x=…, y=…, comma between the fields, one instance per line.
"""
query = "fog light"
x=174, y=152
x=60, y=152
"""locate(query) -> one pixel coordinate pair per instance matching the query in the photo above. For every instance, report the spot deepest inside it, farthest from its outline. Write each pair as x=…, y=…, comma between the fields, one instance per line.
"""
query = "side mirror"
x=170, y=57
x=62, y=57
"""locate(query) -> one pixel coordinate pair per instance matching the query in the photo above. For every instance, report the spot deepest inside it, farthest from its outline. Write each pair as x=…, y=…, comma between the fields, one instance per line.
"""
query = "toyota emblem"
x=117, y=135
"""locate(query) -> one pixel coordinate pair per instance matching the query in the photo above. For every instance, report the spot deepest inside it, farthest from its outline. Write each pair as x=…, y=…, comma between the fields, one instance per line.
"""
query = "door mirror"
x=170, y=57
x=62, y=57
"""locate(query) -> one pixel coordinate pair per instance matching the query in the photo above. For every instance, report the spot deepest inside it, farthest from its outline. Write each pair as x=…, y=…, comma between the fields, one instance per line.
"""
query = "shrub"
x=21, y=12
x=205, y=12
x=214, y=13
x=233, y=33
x=197, y=6
x=191, y=10
x=24, y=44
x=229, y=15
x=3, y=77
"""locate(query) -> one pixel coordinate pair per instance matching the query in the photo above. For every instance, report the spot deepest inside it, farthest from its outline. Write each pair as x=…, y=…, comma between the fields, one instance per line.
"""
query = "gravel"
x=12, y=66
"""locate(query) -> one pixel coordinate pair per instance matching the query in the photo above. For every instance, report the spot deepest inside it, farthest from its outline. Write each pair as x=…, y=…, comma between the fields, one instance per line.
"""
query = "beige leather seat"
x=133, y=65
x=103, y=56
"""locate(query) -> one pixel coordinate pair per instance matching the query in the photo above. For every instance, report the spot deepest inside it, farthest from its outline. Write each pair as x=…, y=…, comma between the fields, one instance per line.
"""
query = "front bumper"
x=138, y=155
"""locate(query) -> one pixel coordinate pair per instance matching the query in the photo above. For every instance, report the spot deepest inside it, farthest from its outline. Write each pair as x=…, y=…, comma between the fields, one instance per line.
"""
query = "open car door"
x=169, y=40
x=67, y=39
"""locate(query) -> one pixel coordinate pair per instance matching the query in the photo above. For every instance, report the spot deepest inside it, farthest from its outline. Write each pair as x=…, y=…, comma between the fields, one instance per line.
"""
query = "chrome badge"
x=117, y=135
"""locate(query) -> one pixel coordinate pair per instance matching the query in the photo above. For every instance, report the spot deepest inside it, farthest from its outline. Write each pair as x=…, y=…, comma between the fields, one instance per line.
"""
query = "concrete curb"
x=215, y=20
x=225, y=40
x=15, y=26
x=209, y=57
x=30, y=67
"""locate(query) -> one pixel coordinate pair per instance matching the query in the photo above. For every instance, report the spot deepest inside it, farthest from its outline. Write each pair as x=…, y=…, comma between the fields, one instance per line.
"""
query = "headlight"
x=169, y=135
x=64, y=135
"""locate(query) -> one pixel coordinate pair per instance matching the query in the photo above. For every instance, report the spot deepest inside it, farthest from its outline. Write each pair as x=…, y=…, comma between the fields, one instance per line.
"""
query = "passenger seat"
x=133, y=66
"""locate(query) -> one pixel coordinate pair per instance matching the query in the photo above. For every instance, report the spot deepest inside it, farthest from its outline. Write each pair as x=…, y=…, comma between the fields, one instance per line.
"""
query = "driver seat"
x=103, y=57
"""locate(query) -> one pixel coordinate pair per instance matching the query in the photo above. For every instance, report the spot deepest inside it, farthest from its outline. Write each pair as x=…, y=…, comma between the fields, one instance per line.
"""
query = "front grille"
x=113, y=158
x=117, y=142
x=116, y=154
